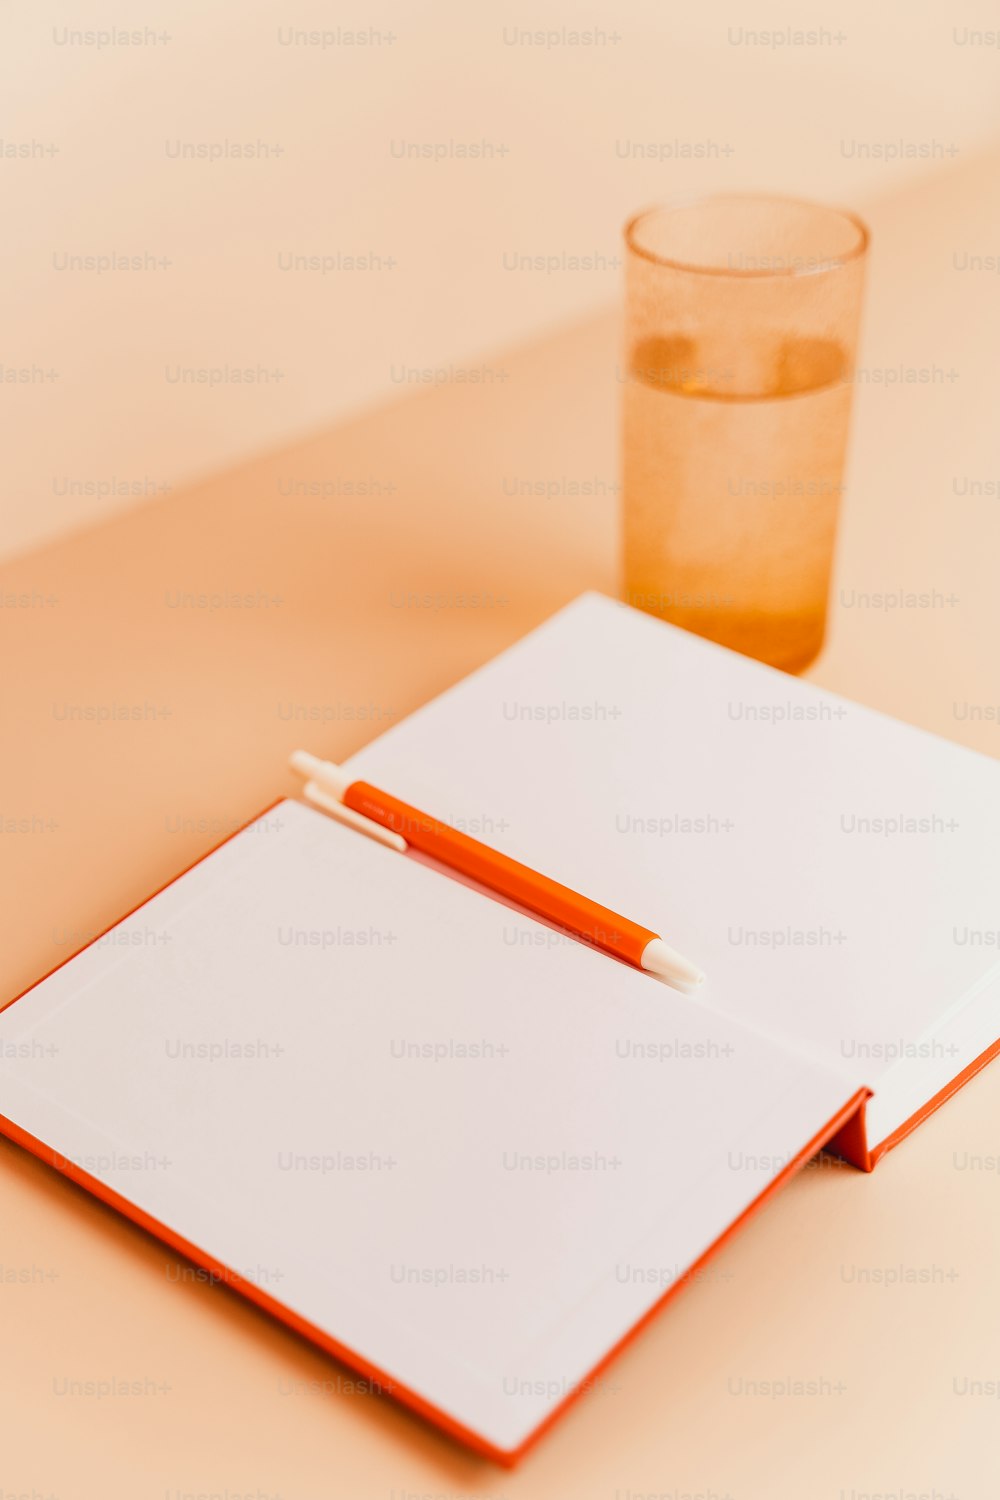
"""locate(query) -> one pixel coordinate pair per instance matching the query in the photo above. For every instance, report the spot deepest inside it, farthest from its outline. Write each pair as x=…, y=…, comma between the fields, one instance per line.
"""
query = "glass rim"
x=832, y=263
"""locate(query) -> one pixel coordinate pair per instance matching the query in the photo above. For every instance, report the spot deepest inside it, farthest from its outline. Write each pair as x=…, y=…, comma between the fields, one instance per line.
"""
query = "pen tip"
x=659, y=958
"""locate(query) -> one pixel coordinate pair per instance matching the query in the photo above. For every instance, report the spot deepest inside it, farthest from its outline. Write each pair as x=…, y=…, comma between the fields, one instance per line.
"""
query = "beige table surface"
x=144, y=714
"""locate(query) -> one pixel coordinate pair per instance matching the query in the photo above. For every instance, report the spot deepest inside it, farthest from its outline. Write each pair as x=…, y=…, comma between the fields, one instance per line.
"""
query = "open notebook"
x=461, y=1150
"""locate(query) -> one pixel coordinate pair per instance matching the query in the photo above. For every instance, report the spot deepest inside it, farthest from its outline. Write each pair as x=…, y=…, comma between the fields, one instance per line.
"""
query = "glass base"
x=790, y=642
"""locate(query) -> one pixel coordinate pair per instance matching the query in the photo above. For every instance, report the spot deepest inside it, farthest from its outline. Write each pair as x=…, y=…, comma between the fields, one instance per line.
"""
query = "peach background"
x=683, y=80
x=357, y=620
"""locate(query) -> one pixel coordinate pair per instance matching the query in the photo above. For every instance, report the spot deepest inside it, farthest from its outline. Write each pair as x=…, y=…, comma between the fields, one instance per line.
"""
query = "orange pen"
x=399, y=825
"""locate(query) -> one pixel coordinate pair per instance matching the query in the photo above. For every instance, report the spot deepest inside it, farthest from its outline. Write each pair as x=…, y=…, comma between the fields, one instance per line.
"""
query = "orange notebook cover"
x=472, y=1155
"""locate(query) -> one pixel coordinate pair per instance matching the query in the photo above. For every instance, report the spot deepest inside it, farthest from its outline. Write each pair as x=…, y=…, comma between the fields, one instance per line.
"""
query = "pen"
x=395, y=823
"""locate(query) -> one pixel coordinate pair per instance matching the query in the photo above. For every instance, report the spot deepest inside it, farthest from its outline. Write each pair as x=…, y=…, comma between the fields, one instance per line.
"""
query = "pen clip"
x=321, y=798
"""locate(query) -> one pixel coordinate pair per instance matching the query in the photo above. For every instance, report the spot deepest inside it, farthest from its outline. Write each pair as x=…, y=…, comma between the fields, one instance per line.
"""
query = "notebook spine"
x=851, y=1140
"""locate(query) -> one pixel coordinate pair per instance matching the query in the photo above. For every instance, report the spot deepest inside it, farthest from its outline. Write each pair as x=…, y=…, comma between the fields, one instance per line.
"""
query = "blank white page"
x=835, y=872
x=467, y=1148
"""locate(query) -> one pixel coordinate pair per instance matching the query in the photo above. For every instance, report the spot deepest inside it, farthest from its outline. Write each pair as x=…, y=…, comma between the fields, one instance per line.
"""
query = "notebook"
x=462, y=1151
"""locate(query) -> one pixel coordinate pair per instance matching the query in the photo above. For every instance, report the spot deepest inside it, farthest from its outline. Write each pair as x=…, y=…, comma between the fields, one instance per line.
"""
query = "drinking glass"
x=742, y=320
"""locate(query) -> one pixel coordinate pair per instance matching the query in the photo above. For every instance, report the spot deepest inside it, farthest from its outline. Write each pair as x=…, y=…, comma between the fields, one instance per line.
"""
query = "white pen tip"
x=659, y=958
